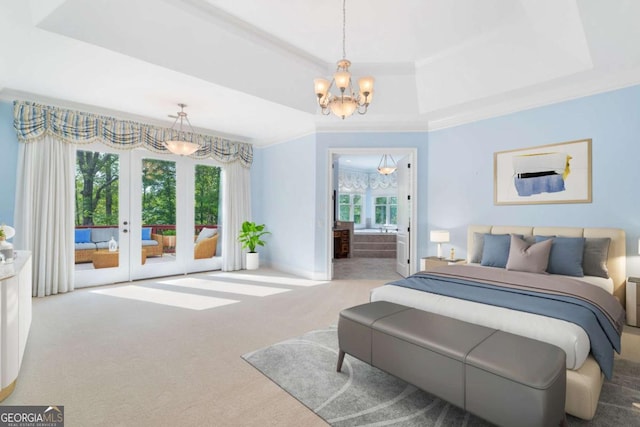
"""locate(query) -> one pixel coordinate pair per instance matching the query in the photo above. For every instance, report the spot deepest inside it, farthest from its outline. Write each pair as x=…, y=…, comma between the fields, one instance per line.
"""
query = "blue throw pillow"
x=83, y=235
x=566, y=255
x=495, y=250
x=146, y=234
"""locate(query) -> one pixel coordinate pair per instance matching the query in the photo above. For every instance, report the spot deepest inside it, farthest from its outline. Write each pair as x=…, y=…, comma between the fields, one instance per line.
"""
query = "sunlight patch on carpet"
x=221, y=286
x=170, y=298
x=278, y=280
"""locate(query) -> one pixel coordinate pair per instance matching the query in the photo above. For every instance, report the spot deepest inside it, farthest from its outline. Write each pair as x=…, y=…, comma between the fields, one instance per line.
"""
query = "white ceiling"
x=245, y=68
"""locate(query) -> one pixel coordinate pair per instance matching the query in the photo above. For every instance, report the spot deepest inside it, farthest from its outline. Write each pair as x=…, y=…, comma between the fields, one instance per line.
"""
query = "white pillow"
x=205, y=233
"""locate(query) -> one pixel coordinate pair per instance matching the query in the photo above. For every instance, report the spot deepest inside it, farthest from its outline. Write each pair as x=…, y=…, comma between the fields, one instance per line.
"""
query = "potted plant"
x=169, y=240
x=251, y=236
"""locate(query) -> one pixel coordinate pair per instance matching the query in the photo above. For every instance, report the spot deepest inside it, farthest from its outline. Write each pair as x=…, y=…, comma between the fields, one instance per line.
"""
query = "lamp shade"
x=182, y=148
x=343, y=106
x=387, y=165
x=342, y=79
x=439, y=236
x=321, y=87
x=366, y=85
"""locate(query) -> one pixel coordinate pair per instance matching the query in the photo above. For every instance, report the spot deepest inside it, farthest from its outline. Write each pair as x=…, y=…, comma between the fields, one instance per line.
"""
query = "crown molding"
x=263, y=143
x=418, y=125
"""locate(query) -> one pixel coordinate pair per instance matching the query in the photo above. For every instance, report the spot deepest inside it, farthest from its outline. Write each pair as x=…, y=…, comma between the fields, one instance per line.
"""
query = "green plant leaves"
x=251, y=235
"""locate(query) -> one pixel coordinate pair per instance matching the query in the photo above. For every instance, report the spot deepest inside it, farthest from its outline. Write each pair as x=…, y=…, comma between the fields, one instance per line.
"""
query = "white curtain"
x=44, y=213
x=236, y=208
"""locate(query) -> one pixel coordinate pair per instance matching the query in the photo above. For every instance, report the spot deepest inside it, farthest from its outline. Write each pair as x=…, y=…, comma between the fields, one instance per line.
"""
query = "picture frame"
x=553, y=173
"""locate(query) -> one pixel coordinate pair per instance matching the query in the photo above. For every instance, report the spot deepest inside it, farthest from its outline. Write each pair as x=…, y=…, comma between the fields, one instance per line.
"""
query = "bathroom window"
x=350, y=207
x=386, y=210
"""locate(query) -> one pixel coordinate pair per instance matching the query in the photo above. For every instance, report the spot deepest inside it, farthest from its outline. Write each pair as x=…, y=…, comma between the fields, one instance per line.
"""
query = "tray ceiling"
x=245, y=68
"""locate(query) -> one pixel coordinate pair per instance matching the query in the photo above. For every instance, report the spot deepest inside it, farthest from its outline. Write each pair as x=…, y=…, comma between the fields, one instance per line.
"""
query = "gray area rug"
x=360, y=395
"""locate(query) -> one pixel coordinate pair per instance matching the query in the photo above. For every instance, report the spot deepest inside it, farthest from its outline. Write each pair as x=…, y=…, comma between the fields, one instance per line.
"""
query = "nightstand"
x=431, y=262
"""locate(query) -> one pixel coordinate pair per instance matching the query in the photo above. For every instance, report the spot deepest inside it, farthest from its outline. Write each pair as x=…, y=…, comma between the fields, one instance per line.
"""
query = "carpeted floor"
x=363, y=395
x=365, y=268
x=167, y=351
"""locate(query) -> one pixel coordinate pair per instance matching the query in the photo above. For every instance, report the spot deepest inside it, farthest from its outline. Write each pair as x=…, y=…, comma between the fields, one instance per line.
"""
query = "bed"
x=580, y=343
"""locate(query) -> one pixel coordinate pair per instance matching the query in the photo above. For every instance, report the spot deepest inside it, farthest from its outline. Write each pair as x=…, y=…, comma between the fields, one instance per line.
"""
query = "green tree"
x=207, y=194
x=158, y=192
x=96, y=188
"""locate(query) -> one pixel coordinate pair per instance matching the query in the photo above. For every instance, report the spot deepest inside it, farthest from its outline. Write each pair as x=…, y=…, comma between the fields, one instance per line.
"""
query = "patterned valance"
x=33, y=121
x=355, y=180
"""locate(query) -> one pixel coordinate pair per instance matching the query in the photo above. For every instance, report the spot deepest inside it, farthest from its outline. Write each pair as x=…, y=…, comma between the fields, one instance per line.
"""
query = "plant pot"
x=169, y=244
x=253, y=260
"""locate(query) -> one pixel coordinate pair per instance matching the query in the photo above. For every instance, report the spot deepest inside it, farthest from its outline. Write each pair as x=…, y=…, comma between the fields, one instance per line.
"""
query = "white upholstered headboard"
x=616, y=262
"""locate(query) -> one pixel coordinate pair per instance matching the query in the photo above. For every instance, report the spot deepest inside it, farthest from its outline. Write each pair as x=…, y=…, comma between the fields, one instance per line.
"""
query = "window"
x=96, y=188
x=350, y=207
x=386, y=209
x=207, y=195
x=158, y=192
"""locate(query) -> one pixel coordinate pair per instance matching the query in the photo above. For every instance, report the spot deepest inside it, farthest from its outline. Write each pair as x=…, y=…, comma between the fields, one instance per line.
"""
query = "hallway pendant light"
x=386, y=168
x=180, y=145
x=347, y=102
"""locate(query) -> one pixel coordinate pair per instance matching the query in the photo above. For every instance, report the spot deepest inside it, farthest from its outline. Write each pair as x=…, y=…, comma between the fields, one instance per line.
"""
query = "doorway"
x=128, y=224
x=372, y=213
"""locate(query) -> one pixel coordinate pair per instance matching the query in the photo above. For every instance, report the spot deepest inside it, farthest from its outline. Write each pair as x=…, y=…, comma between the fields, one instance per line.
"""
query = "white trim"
x=369, y=126
x=413, y=173
x=276, y=141
x=286, y=268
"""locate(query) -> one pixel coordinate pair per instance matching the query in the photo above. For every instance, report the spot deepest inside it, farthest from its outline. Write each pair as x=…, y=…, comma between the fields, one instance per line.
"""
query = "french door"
x=152, y=206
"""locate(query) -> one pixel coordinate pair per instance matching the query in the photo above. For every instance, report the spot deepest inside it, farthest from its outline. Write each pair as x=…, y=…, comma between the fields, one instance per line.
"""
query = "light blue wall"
x=283, y=197
x=291, y=181
x=455, y=177
x=8, y=163
x=460, y=164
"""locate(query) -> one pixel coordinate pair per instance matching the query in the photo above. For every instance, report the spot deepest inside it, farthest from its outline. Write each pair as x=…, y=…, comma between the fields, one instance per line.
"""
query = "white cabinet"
x=15, y=318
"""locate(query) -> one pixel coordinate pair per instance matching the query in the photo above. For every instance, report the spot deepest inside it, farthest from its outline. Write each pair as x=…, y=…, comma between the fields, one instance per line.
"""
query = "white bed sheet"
x=566, y=335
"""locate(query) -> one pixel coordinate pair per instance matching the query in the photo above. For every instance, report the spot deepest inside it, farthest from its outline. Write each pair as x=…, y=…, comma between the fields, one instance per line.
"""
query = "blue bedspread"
x=603, y=335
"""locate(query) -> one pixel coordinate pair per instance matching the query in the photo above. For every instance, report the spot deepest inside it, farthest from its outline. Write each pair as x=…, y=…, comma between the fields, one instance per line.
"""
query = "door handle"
x=125, y=231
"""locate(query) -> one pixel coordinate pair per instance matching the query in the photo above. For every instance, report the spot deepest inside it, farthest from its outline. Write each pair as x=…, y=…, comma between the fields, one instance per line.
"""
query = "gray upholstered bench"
x=504, y=378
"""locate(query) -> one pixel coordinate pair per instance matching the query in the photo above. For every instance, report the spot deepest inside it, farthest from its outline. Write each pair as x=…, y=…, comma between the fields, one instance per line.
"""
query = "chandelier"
x=386, y=168
x=179, y=145
x=347, y=102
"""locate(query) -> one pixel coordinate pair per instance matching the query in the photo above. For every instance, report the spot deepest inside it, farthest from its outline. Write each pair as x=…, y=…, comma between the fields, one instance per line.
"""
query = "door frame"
x=130, y=210
x=122, y=272
x=397, y=152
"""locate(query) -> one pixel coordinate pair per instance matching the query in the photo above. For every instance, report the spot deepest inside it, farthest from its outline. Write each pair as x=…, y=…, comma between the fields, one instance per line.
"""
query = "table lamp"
x=439, y=237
